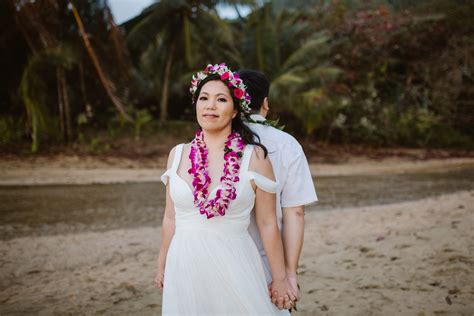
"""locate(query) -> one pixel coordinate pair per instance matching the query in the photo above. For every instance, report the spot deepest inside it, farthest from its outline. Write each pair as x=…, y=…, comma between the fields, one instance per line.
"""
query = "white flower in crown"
x=234, y=83
x=201, y=75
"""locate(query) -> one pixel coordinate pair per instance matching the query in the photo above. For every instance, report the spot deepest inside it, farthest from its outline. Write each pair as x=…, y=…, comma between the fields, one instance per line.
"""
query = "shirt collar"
x=257, y=117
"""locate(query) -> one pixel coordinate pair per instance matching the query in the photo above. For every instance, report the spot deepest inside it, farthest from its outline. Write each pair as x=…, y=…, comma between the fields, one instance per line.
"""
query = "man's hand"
x=293, y=285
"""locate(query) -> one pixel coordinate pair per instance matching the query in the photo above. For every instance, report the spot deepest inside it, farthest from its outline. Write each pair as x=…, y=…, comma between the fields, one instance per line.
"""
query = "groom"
x=295, y=188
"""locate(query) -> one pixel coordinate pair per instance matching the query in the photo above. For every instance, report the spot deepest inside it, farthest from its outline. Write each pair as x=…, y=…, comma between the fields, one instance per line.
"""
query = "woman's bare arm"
x=167, y=229
x=269, y=232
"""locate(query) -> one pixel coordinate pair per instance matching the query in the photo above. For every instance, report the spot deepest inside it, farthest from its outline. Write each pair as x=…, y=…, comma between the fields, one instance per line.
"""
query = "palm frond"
x=309, y=53
x=33, y=87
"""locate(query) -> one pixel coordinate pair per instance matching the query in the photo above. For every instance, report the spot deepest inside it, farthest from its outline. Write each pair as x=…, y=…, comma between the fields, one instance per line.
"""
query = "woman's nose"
x=211, y=103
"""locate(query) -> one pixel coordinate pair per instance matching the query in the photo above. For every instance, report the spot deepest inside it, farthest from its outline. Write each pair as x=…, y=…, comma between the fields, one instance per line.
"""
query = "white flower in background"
x=339, y=120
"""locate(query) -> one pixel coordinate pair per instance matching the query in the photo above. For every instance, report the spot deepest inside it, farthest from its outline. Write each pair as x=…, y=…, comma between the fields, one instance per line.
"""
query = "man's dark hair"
x=257, y=86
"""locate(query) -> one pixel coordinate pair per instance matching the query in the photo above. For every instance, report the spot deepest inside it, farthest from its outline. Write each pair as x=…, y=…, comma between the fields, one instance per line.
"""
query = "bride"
x=208, y=264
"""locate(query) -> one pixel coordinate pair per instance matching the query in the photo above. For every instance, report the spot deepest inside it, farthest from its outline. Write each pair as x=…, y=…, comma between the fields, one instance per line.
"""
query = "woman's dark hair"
x=257, y=86
x=248, y=136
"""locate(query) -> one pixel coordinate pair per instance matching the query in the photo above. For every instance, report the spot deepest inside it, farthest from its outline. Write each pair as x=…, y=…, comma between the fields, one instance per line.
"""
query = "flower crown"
x=232, y=79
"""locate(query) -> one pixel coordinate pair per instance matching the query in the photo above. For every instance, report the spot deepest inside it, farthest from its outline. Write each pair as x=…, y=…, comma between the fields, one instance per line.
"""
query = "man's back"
x=295, y=185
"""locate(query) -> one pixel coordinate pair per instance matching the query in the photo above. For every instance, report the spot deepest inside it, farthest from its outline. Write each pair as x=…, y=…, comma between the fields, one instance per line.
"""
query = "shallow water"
x=50, y=210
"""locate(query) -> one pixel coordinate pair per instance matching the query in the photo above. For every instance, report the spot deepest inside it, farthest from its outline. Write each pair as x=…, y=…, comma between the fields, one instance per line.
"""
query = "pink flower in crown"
x=225, y=76
x=238, y=93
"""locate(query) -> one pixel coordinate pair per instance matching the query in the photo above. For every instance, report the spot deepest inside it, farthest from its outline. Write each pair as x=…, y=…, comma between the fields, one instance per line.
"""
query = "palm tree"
x=288, y=46
x=51, y=41
x=170, y=37
x=103, y=78
x=33, y=89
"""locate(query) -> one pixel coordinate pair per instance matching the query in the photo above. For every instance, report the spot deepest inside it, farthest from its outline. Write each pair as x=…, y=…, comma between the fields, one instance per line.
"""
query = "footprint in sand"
x=448, y=250
x=420, y=237
x=454, y=224
x=402, y=246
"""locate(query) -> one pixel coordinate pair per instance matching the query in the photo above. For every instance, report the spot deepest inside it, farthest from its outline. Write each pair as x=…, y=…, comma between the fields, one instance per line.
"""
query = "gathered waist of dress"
x=214, y=225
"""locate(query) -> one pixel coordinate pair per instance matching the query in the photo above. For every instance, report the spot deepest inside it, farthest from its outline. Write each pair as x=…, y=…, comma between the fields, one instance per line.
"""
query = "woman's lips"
x=210, y=116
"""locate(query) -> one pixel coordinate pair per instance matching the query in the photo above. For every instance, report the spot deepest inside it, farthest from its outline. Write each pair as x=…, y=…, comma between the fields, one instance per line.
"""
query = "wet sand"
x=410, y=258
x=70, y=170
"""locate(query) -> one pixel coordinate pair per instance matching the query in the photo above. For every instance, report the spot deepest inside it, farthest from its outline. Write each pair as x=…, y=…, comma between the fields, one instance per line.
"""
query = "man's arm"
x=292, y=235
x=297, y=191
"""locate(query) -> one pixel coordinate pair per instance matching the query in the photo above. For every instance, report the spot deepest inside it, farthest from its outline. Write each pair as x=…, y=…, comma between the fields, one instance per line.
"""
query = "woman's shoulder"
x=259, y=162
x=172, y=153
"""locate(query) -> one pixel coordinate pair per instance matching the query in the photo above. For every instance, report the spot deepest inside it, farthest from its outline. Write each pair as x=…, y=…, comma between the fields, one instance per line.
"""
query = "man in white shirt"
x=295, y=188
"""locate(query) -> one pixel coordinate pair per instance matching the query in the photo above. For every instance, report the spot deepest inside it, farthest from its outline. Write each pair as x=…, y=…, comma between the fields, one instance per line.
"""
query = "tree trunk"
x=67, y=108
x=259, y=46
x=34, y=134
x=87, y=107
x=64, y=108
x=106, y=83
x=60, y=103
x=187, y=41
x=164, y=90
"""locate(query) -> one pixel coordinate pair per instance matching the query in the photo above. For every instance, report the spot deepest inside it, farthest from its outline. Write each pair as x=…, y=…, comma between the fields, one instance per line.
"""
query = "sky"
x=124, y=10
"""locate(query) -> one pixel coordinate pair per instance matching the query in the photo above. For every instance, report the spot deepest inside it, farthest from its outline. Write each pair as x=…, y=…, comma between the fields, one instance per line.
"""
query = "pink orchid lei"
x=232, y=79
x=199, y=165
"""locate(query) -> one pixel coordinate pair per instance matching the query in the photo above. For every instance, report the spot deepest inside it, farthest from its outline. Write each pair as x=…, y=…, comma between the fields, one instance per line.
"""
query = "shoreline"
x=30, y=173
x=407, y=258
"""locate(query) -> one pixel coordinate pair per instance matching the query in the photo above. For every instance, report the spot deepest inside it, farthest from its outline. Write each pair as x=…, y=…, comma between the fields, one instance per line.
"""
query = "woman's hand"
x=282, y=294
x=159, y=279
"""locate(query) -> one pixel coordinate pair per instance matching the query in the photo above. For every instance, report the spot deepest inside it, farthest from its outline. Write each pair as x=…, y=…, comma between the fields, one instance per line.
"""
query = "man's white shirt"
x=291, y=170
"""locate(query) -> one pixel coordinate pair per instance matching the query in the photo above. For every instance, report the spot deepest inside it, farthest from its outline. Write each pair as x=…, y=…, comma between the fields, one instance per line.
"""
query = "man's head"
x=258, y=88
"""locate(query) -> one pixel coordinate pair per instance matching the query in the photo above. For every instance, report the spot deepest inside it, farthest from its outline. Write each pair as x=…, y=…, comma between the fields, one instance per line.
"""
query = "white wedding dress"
x=213, y=266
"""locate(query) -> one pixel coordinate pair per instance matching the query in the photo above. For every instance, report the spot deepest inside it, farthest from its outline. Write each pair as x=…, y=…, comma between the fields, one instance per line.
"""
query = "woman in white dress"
x=208, y=263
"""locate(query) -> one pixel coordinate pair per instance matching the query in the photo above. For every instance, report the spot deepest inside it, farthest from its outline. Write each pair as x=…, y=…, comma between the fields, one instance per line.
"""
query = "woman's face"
x=215, y=107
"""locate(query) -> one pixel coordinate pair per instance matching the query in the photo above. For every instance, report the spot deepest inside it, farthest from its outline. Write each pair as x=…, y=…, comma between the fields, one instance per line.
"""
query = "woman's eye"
x=222, y=100
x=203, y=98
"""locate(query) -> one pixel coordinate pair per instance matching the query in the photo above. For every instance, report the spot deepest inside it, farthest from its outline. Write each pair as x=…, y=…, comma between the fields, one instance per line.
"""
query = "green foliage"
x=142, y=117
x=10, y=132
x=404, y=77
x=379, y=72
x=415, y=126
x=33, y=89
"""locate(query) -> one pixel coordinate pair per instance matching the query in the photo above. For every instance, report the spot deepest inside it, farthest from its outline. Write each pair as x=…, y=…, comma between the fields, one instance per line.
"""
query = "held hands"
x=293, y=284
x=282, y=293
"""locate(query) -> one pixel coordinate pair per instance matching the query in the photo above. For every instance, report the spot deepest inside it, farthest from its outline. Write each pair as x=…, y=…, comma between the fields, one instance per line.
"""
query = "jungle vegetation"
x=384, y=73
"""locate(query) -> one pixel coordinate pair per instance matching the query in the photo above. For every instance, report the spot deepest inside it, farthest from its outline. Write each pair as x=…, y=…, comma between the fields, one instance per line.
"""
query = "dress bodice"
x=237, y=217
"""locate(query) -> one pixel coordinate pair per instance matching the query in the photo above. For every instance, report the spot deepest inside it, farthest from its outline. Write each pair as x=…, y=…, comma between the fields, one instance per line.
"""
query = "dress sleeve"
x=174, y=165
x=263, y=182
x=165, y=176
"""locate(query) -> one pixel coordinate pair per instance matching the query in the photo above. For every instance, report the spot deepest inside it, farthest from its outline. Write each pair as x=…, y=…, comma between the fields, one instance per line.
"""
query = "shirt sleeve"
x=298, y=187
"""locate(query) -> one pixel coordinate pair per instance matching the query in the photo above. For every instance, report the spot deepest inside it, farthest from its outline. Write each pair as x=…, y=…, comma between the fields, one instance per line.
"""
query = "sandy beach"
x=407, y=258
x=75, y=170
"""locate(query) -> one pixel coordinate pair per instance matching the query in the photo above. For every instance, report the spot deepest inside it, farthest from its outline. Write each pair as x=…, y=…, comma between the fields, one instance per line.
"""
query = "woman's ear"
x=234, y=114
